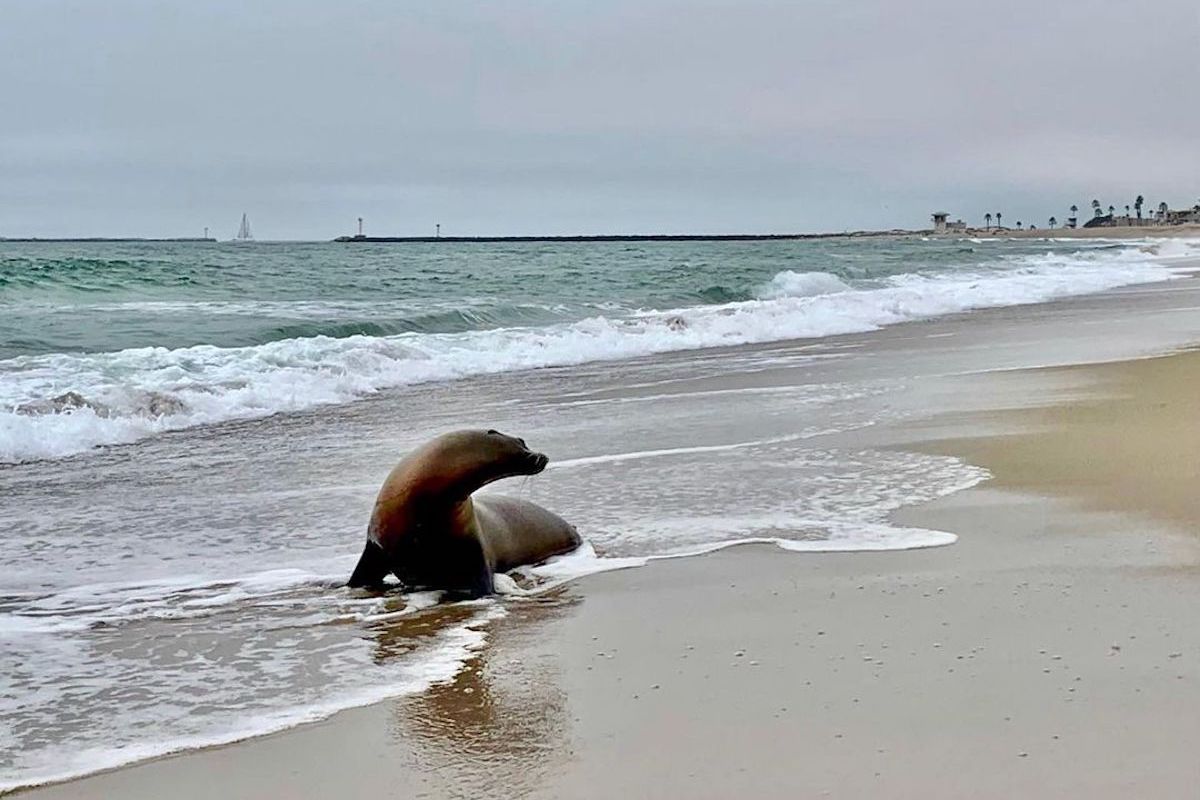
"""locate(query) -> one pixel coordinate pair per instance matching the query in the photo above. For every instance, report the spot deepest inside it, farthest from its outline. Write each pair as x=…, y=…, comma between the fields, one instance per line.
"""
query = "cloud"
x=159, y=118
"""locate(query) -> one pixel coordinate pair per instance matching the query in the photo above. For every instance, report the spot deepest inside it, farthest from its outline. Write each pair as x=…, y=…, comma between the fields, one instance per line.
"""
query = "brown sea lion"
x=430, y=533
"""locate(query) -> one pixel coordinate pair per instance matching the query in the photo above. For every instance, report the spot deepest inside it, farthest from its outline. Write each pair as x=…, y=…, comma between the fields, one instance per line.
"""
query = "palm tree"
x=987, y=221
x=1053, y=222
x=1096, y=208
x=1018, y=224
x=1111, y=210
x=998, y=215
x=1074, y=211
x=1137, y=205
x=1127, y=212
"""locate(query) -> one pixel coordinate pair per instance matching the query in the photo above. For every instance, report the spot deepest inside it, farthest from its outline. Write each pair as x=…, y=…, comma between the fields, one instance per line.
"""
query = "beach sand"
x=1116, y=232
x=1051, y=652
x=1132, y=446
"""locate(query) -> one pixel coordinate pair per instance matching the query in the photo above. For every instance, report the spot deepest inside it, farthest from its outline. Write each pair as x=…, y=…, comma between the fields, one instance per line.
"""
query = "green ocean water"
x=105, y=343
x=98, y=297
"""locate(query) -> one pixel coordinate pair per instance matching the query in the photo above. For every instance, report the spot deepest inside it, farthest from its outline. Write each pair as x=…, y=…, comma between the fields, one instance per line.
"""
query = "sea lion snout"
x=521, y=458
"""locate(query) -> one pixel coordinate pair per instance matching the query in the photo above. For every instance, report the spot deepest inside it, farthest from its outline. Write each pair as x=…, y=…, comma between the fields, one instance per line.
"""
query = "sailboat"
x=243, y=234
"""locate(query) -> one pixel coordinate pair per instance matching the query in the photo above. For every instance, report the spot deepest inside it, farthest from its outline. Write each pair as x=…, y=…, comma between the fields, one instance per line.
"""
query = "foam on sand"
x=134, y=729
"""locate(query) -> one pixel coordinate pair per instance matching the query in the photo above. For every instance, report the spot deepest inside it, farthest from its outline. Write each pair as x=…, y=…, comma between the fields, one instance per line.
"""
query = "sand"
x=1131, y=446
x=1051, y=652
x=1189, y=231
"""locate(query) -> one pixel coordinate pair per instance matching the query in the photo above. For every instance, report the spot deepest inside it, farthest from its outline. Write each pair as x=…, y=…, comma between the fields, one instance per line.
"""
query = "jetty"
x=108, y=239
x=621, y=237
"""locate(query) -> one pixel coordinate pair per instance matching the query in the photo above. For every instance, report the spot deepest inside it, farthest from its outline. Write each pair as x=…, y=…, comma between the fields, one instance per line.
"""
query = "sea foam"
x=436, y=661
x=134, y=393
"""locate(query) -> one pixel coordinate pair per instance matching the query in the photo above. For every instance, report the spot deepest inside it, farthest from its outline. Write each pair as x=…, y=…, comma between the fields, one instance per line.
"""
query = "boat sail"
x=243, y=234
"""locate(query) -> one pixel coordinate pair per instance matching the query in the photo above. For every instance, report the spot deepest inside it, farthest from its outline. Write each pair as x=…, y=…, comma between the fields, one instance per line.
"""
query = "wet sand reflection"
x=502, y=722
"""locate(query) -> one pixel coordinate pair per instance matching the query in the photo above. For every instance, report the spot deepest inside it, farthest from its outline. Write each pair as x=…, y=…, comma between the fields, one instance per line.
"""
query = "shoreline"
x=927, y=681
x=1137, y=408
x=1188, y=231
x=378, y=361
x=1184, y=231
x=990, y=667
x=1116, y=232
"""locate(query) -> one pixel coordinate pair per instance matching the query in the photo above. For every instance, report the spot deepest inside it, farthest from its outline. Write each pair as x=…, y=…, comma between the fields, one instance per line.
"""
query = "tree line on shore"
x=1133, y=216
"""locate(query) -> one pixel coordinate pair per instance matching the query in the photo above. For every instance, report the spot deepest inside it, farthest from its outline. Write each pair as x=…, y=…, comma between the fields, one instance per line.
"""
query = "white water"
x=105, y=672
x=138, y=723
x=138, y=392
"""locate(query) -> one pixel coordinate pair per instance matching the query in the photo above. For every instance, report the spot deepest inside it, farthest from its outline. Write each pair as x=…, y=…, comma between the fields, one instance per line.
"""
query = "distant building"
x=942, y=224
x=1184, y=217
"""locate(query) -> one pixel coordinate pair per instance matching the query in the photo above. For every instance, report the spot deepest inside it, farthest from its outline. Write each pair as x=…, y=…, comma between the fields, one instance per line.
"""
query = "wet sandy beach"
x=1047, y=653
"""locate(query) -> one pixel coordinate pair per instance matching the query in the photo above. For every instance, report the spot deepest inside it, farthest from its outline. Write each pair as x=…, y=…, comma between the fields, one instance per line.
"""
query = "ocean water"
x=135, y=339
x=191, y=436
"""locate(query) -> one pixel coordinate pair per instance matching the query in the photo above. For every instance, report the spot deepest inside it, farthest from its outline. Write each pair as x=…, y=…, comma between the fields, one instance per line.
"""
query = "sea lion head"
x=476, y=458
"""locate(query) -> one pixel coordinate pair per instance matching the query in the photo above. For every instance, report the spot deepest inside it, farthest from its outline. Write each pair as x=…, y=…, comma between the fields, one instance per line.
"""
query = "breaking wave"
x=59, y=404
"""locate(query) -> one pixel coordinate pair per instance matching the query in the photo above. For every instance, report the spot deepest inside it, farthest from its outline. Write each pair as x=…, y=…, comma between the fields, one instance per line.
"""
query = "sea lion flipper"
x=467, y=572
x=484, y=583
x=372, y=567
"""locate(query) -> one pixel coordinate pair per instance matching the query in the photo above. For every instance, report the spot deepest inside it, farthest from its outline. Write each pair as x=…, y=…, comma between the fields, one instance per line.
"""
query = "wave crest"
x=803, y=284
x=62, y=403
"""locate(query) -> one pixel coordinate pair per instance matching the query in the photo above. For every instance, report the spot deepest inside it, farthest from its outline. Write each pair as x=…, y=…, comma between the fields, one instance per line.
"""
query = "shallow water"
x=187, y=588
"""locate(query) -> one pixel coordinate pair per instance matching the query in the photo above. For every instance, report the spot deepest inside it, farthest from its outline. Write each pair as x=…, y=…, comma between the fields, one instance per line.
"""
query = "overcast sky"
x=157, y=118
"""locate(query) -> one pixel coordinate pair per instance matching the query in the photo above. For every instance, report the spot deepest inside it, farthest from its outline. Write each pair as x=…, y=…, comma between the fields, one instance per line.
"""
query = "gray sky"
x=156, y=118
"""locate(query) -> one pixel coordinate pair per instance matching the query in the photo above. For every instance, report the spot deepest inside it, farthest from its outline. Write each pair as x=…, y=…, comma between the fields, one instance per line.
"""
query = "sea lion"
x=429, y=532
